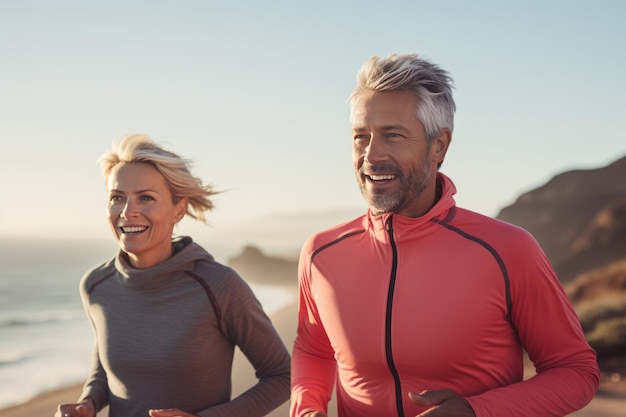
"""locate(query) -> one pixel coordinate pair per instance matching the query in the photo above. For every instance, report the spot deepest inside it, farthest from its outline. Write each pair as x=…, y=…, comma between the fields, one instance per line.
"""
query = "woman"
x=166, y=315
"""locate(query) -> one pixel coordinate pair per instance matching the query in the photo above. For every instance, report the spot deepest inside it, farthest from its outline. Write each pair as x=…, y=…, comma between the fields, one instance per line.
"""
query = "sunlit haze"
x=255, y=93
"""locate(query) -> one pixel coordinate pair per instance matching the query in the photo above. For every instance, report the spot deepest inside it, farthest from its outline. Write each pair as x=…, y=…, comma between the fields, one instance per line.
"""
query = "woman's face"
x=142, y=213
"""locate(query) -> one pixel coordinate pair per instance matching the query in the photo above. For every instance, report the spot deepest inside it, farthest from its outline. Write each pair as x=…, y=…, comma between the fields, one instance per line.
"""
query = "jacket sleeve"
x=313, y=365
x=247, y=325
x=567, y=370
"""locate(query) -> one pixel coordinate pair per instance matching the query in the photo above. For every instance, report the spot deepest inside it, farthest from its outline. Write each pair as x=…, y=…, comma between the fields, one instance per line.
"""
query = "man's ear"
x=440, y=145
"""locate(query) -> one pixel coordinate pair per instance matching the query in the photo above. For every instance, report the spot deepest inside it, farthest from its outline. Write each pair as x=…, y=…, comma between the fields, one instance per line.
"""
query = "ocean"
x=45, y=337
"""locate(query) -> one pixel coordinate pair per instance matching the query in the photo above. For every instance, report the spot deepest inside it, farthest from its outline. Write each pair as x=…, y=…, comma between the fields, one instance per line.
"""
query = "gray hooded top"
x=165, y=338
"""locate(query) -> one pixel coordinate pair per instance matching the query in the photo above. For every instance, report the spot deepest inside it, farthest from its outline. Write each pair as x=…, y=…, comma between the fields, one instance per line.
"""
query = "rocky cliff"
x=578, y=217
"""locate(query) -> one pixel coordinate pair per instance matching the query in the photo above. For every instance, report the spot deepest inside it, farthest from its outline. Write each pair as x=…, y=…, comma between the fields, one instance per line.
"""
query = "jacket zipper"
x=388, y=320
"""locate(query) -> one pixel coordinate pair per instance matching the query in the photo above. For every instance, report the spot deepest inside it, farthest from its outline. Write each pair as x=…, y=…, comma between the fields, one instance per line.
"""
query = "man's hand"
x=170, y=412
x=444, y=403
x=315, y=414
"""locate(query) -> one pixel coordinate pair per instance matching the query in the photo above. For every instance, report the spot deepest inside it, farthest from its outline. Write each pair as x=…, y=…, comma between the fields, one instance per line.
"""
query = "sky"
x=255, y=94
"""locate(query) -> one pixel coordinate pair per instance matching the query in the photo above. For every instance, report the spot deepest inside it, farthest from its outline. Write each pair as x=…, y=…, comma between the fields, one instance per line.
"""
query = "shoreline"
x=44, y=403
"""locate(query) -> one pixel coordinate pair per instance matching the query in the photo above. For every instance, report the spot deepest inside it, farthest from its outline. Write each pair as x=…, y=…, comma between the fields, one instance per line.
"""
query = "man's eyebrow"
x=385, y=127
x=392, y=127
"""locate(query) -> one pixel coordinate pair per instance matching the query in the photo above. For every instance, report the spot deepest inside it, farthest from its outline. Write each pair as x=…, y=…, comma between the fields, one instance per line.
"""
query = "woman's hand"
x=82, y=409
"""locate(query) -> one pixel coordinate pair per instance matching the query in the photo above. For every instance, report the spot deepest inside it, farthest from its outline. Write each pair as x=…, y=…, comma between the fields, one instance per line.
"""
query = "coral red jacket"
x=390, y=304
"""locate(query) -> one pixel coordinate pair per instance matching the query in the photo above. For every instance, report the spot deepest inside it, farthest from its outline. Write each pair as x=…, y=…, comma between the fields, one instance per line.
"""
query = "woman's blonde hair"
x=139, y=147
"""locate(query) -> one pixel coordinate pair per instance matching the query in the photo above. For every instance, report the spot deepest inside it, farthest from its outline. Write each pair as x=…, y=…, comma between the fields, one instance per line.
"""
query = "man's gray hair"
x=431, y=85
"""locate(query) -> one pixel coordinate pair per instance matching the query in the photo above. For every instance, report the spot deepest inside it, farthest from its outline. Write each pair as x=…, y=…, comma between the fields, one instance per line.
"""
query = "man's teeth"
x=381, y=177
x=133, y=229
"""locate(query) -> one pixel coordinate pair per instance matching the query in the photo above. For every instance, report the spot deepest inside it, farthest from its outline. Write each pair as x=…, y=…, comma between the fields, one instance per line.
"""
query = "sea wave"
x=15, y=357
x=36, y=318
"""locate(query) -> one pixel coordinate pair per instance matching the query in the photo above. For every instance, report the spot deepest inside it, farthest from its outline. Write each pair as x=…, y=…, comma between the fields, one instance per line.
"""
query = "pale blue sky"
x=255, y=93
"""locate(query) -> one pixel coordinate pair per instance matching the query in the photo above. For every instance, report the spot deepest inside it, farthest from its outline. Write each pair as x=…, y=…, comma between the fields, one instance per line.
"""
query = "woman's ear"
x=181, y=209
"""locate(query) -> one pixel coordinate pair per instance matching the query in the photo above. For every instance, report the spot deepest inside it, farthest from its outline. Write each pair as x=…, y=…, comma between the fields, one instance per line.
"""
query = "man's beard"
x=410, y=188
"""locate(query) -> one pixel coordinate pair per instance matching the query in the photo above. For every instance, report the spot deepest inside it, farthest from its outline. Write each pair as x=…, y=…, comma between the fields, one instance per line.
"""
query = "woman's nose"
x=128, y=210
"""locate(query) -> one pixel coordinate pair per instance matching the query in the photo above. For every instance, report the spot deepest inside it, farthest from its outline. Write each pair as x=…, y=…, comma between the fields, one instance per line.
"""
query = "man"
x=419, y=307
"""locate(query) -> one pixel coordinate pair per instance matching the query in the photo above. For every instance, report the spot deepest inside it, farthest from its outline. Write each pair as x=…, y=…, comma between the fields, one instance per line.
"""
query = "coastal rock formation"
x=255, y=266
x=578, y=217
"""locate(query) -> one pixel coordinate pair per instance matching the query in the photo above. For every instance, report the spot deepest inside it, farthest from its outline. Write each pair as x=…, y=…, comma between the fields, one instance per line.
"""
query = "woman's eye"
x=146, y=198
x=115, y=198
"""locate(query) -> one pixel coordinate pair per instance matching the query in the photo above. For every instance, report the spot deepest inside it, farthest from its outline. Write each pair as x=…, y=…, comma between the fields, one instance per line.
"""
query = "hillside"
x=578, y=217
x=256, y=266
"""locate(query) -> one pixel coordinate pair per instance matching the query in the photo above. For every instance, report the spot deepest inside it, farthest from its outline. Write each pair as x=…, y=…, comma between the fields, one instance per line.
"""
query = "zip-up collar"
x=413, y=227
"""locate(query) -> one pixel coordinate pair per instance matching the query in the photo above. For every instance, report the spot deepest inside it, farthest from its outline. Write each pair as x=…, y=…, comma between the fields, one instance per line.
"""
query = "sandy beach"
x=610, y=401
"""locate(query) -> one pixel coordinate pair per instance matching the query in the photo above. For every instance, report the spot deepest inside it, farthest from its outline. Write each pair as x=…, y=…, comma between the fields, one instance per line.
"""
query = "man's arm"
x=567, y=370
x=313, y=367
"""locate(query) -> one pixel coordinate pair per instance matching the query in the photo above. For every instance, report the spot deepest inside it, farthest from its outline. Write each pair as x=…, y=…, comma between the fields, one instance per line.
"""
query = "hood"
x=186, y=254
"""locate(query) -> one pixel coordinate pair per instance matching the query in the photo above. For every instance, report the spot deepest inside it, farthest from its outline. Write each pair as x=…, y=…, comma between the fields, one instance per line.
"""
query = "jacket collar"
x=405, y=228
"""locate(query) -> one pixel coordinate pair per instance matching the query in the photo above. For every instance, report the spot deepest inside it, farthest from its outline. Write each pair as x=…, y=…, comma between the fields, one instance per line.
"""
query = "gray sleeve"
x=96, y=385
x=246, y=324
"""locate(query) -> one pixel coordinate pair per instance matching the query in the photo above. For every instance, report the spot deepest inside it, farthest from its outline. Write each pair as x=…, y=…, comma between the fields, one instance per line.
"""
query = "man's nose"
x=376, y=150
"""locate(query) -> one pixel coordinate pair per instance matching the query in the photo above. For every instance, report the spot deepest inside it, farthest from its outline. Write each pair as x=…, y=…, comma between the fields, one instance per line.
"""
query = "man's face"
x=395, y=166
